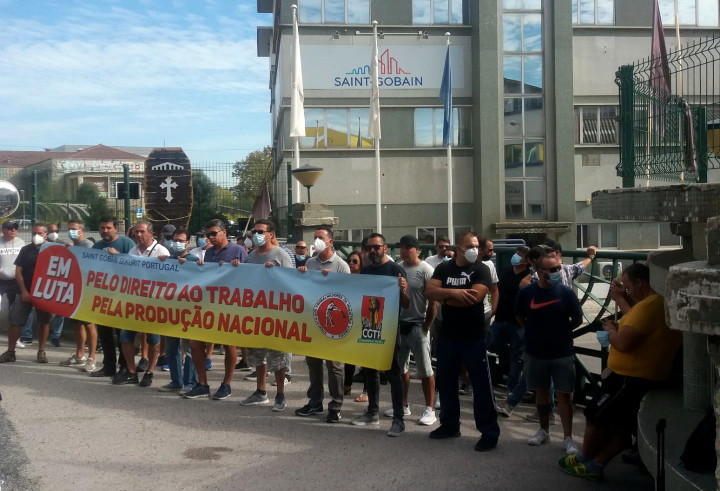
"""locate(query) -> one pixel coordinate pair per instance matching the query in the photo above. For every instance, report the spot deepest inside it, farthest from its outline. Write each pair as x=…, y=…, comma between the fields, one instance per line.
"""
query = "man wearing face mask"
x=301, y=250
x=166, y=235
x=52, y=232
x=20, y=309
x=550, y=311
x=507, y=336
x=202, y=245
x=326, y=261
x=460, y=286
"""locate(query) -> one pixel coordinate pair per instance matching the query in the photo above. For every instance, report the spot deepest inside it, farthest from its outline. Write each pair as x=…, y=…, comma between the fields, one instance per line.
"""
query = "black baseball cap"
x=409, y=240
x=10, y=224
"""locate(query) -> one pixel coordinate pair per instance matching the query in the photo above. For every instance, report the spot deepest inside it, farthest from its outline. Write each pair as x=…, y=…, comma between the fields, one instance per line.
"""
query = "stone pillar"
x=714, y=352
x=308, y=216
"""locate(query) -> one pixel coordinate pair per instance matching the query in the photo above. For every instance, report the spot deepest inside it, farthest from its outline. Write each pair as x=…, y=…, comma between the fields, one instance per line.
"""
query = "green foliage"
x=88, y=194
x=205, y=201
x=250, y=173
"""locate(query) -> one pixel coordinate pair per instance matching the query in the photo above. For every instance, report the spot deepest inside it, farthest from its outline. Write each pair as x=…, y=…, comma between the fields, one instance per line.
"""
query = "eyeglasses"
x=213, y=234
x=51, y=231
x=300, y=247
x=443, y=247
x=354, y=261
x=256, y=231
x=491, y=250
x=375, y=247
x=556, y=269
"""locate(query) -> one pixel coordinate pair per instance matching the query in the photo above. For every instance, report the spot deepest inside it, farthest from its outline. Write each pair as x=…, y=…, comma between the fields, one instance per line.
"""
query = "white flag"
x=374, y=123
x=297, y=112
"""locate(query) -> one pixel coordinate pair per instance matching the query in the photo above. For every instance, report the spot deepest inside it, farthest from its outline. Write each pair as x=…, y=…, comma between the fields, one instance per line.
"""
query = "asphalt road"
x=62, y=430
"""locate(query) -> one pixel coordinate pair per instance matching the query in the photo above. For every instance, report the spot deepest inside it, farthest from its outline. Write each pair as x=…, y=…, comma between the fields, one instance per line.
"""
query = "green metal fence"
x=671, y=135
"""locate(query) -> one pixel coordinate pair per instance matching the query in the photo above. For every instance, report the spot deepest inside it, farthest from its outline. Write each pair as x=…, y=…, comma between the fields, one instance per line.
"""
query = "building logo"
x=391, y=75
x=333, y=315
x=372, y=317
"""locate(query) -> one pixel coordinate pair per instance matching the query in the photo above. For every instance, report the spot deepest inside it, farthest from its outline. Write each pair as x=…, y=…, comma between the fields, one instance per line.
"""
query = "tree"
x=97, y=205
x=250, y=173
x=205, y=197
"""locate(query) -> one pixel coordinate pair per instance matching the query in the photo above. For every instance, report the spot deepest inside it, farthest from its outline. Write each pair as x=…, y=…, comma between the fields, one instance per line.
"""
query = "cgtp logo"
x=333, y=315
x=372, y=317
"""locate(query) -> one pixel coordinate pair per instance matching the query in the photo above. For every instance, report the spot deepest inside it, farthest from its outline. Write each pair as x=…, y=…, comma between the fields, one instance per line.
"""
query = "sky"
x=134, y=73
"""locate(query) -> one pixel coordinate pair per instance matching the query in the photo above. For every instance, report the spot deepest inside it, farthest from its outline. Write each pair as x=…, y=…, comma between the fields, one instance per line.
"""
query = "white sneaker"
x=437, y=400
x=539, y=438
x=505, y=410
x=571, y=448
x=19, y=344
x=89, y=365
x=74, y=361
x=390, y=413
x=428, y=417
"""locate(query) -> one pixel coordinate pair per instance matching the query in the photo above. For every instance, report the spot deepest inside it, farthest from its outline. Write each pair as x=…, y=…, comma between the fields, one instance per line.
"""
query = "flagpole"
x=297, y=111
x=374, y=128
x=451, y=223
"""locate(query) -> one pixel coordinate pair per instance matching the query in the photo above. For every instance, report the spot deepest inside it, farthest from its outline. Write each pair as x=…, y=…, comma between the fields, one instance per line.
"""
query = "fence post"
x=290, y=230
x=126, y=178
x=702, y=150
x=33, y=202
x=627, y=134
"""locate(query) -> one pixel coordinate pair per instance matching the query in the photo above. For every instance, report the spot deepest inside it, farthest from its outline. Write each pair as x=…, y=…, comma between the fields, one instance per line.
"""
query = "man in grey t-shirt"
x=326, y=261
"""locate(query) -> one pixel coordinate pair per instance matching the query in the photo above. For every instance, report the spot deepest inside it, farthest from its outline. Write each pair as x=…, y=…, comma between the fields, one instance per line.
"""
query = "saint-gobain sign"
x=400, y=67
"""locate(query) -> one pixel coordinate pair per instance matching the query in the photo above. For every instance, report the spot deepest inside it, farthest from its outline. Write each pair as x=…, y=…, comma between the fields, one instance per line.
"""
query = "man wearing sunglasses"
x=549, y=311
x=460, y=286
x=222, y=251
x=301, y=253
x=441, y=246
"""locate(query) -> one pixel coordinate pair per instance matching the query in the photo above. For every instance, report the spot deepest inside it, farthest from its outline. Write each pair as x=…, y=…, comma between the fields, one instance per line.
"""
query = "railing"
x=593, y=292
x=670, y=120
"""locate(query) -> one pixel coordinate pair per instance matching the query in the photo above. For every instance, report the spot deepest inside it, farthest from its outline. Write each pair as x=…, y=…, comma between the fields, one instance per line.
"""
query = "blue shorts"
x=129, y=337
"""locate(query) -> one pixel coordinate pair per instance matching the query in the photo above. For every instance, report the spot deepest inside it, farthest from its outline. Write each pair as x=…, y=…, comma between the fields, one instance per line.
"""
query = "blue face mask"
x=603, y=338
x=168, y=244
x=555, y=278
x=446, y=258
x=258, y=239
x=300, y=257
x=74, y=234
x=516, y=259
x=201, y=242
x=178, y=247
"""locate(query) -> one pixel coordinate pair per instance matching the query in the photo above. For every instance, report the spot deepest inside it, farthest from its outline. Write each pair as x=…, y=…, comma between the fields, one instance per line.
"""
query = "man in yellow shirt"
x=642, y=349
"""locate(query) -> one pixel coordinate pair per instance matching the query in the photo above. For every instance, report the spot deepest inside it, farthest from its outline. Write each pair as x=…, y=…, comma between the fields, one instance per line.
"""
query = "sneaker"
x=89, y=365
x=142, y=365
x=287, y=382
x=534, y=418
x=333, y=416
x=505, y=410
x=223, y=392
x=208, y=364
x=74, y=361
x=198, y=391
x=162, y=360
x=252, y=377
x=102, y=373
x=169, y=388
x=7, y=357
x=428, y=417
x=165, y=367
x=308, y=410
x=55, y=343
x=123, y=377
x=485, y=444
x=444, y=431
x=26, y=342
x=279, y=405
x=581, y=470
x=146, y=380
x=571, y=448
x=41, y=357
x=569, y=460
x=367, y=419
x=242, y=366
x=437, y=400
x=463, y=389
x=19, y=344
x=254, y=399
x=396, y=428
x=539, y=438
x=390, y=413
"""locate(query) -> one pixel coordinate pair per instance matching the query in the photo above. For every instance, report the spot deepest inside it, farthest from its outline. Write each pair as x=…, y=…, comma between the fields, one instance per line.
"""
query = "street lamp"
x=22, y=200
x=307, y=176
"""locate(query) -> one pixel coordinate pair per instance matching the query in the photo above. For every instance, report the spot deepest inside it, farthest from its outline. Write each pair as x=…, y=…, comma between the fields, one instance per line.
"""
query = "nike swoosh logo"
x=535, y=306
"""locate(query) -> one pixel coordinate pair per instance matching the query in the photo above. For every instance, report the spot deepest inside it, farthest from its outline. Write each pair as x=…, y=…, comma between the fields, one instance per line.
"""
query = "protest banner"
x=341, y=317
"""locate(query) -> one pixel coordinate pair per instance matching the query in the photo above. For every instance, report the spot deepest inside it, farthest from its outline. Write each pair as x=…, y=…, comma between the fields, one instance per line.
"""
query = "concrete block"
x=692, y=298
x=315, y=222
x=713, y=241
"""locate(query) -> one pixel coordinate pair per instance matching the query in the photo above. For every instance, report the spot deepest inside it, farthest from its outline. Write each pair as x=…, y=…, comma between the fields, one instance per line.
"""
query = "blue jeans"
x=508, y=339
x=26, y=333
x=180, y=376
x=56, y=328
x=451, y=353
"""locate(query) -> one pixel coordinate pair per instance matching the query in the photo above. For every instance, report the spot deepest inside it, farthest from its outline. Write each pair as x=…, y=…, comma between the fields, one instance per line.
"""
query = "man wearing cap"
x=10, y=245
x=414, y=328
x=21, y=307
x=326, y=261
x=301, y=253
x=166, y=235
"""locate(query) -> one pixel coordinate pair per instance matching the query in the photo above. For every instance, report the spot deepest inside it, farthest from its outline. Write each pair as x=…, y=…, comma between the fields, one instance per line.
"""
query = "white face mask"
x=471, y=254
x=319, y=245
x=52, y=236
x=38, y=239
x=248, y=242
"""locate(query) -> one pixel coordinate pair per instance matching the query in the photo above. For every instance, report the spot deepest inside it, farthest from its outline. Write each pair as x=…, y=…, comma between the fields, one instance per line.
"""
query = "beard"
x=375, y=259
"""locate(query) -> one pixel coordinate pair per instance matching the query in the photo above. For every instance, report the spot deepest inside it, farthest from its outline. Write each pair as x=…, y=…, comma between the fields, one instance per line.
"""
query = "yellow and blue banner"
x=340, y=317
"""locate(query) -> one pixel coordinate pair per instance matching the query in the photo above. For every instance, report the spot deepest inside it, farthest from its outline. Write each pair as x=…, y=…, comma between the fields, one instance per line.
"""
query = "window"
x=352, y=235
x=429, y=127
x=426, y=12
x=603, y=235
x=334, y=11
x=119, y=184
x=336, y=128
x=690, y=12
x=593, y=12
x=524, y=110
x=667, y=238
x=428, y=235
x=596, y=125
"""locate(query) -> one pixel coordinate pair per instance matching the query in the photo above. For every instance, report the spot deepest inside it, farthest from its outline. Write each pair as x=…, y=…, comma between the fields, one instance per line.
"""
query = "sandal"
x=362, y=397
